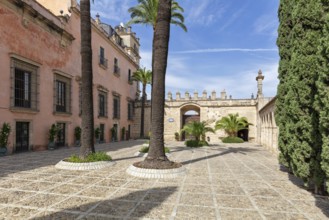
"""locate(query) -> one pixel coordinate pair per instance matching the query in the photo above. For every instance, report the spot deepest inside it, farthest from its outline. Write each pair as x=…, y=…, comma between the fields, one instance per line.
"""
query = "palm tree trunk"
x=143, y=112
x=160, y=49
x=87, y=115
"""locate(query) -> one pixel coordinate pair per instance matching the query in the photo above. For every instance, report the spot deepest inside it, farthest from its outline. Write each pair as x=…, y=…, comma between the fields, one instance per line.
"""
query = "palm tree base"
x=157, y=164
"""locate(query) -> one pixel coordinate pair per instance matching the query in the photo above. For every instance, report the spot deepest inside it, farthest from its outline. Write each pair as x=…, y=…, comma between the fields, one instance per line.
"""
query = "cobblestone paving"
x=223, y=182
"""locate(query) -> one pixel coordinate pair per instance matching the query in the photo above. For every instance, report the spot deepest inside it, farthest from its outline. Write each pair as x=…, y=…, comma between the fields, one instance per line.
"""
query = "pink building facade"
x=41, y=74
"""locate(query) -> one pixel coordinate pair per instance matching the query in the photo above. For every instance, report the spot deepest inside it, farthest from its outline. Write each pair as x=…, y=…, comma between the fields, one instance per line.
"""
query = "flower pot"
x=77, y=143
x=3, y=151
x=51, y=145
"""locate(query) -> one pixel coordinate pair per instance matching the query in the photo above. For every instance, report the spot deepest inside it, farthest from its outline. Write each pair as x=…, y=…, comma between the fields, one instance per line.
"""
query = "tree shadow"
x=321, y=201
x=138, y=204
x=29, y=161
x=240, y=150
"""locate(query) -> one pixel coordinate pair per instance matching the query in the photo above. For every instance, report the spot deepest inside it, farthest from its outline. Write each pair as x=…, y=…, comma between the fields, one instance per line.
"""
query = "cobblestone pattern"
x=223, y=182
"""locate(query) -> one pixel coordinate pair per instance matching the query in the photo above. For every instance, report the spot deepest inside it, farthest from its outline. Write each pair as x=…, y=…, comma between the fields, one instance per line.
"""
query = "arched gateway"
x=209, y=108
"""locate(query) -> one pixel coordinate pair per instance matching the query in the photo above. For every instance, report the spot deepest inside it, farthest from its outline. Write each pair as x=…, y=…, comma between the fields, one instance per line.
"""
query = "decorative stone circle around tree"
x=156, y=173
x=64, y=165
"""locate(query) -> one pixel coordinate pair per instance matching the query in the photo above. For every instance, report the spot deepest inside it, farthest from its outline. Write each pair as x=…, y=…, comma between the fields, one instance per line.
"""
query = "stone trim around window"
x=29, y=85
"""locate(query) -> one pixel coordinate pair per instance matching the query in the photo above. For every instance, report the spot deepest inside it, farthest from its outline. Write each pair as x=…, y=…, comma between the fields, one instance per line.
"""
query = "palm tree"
x=232, y=124
x=147, y=10
x=197, y=129
x=156, y=156
x=145, y=77
x=87, y=114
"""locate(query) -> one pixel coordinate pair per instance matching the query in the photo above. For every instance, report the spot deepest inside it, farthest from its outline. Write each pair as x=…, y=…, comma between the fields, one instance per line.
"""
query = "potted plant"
x=123, y=132
x=4, y=135
x=113, y=134
x=77, y=135
x=52, y=136
x=176, y=136
x=97, y=134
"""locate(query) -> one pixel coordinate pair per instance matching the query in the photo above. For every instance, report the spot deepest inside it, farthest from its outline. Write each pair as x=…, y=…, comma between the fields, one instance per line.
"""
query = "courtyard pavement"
x=240, y=181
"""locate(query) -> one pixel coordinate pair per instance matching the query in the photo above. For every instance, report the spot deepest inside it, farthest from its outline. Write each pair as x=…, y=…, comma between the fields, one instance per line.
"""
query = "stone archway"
x=188, y=114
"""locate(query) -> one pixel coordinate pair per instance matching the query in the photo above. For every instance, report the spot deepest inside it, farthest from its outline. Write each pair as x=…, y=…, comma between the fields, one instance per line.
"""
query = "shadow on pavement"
x=240, y=150
x=144, y=203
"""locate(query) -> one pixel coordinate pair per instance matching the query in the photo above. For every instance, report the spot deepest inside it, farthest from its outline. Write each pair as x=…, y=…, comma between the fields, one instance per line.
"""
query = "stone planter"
x=51, y=145
x=156, y=173
x=64, y=165
x=77, y=143
x=3, y=151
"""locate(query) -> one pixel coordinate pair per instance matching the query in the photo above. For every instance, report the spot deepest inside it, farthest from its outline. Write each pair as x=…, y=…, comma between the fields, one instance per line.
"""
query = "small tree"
x=144, y=77
x=97, y=134
x=232, y=124
x=4, y=135
x=77, y=135
x=197, y=129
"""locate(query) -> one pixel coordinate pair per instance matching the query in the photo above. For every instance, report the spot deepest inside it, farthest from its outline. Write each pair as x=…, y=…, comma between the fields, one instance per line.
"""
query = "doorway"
x=22, y=136
x=189, y=114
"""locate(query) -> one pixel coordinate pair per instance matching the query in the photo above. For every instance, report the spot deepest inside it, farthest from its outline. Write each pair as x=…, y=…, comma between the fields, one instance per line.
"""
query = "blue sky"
x=226, y=44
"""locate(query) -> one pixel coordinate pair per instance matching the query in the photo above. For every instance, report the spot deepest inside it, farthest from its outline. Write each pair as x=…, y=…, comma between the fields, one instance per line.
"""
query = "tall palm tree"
x=156, y=154
x=197, y=129
x=147, y=10
x=232, y=124
x=87, y=114
x=144, y=77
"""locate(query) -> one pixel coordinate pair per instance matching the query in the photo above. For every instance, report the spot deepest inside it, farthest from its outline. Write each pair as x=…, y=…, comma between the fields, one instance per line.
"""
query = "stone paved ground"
x=223, y=182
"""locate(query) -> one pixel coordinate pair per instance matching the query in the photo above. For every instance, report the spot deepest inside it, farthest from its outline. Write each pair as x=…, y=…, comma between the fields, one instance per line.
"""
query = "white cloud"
x=114, y=10
x=204, y=12
x=221, y=50
x=232, y=19
x=266, y=24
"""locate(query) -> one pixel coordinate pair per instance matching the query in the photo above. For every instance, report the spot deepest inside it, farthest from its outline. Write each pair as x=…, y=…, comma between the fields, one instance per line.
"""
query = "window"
x=116, y=107
x=24, y=85
x=102, y=59
x=22, y=88
x=62, y=94
x=116, y=69
x=130, y=110
x=102, y=104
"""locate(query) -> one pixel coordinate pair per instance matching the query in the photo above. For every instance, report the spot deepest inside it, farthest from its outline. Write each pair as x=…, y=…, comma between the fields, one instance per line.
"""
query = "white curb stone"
x=156, y=173
x=64, y=165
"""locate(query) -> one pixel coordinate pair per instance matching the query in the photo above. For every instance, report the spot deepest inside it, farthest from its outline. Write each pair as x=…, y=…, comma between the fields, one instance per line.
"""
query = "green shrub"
x=232, y=140
x=93, y=157
x=195, y=143
x=146, y=150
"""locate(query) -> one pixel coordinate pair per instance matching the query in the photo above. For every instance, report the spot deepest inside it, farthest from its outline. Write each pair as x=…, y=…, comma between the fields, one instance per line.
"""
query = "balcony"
x=102, y=62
